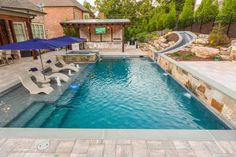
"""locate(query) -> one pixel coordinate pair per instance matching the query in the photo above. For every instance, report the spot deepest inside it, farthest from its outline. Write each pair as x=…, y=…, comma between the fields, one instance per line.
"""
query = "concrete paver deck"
x=76, y=143
x=129, y=51
x=223, y=73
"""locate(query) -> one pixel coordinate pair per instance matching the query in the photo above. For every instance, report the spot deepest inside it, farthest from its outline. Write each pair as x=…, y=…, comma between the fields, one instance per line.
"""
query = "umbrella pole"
x=42, y=64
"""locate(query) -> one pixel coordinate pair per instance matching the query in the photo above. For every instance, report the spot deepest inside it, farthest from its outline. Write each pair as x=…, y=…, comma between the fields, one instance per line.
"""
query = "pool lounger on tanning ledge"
x=28, y=83
x=62, y=62
x=40, y=78
x=58, y=69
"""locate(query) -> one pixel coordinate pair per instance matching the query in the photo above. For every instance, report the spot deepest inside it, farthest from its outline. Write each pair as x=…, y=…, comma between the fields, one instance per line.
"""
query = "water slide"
x=185, y=38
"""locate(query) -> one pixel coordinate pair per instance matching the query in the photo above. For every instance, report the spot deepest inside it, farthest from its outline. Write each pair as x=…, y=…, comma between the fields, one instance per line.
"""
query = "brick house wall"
x=78, y=14
x=55, y=15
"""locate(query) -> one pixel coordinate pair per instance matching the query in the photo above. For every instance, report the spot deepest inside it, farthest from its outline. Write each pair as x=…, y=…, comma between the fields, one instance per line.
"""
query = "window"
x=38, y=30
x=20, y=31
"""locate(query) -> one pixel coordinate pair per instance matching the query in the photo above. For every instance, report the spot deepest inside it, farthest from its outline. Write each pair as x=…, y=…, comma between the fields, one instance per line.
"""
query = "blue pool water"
x=118, y=93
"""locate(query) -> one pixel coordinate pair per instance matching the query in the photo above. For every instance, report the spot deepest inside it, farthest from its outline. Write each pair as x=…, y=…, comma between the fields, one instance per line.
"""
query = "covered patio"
x=100, y=33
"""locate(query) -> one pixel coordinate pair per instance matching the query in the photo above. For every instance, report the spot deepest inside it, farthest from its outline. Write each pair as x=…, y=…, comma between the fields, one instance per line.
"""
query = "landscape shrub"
x=70, y=31
x=217, y=37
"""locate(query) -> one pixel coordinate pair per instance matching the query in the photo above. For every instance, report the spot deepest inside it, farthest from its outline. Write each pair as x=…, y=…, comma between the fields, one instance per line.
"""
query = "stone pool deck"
x=223, y=72
x=130, y=51
x=116, y=143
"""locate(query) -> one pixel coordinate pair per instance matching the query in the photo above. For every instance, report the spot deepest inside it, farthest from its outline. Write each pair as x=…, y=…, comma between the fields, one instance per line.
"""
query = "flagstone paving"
x=222, y=73
x=117, y=148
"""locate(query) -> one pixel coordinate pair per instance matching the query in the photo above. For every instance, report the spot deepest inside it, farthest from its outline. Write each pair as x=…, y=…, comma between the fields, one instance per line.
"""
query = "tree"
x=186, y=16
x=207, y=11
x=228, y=11
x=169, y=20
x=88, y=6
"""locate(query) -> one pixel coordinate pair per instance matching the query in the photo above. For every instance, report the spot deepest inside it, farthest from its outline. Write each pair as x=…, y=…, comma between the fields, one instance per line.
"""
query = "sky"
x=90, y=1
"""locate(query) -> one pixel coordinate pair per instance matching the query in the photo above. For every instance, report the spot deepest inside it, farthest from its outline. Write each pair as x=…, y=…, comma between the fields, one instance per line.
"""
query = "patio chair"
x=28, y=83
x=40, y=78
x=58, y=69
x=8, y=56
x=2, y=60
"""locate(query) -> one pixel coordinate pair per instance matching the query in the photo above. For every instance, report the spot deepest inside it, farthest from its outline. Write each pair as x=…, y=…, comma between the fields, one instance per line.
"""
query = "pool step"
x=25, y=116
x=38, y=119
x=56, y=118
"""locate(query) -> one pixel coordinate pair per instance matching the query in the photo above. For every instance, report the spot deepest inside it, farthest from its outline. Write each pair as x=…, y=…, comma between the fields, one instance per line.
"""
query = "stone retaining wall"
x=216, y=100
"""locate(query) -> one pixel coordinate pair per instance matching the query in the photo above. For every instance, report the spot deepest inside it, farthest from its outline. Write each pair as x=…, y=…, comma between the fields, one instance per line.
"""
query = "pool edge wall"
x=221, y=104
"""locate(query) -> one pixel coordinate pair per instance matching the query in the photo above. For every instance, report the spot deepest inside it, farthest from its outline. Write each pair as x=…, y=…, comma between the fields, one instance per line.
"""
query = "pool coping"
x=131, y=134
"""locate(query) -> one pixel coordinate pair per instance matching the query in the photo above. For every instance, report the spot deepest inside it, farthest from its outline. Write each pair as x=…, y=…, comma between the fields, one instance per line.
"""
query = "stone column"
x=123, y=40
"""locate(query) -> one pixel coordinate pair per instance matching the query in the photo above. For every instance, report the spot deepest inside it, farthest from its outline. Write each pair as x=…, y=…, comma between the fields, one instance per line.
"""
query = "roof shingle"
x=60, y=3
x=19, y=4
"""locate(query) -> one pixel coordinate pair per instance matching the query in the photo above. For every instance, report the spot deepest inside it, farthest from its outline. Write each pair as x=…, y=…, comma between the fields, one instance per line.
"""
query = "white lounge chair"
x=28, y=83
x=40, y=78
x=58, y=69
x=64, y=63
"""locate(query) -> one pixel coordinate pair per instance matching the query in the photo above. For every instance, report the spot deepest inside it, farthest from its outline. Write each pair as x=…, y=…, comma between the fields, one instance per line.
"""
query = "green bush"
x=70, y=31
x=186, y=16
x=217, y=37
x=142, y=36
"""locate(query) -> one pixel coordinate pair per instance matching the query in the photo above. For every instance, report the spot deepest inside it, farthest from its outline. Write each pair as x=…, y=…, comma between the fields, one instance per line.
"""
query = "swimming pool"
x=121, y=94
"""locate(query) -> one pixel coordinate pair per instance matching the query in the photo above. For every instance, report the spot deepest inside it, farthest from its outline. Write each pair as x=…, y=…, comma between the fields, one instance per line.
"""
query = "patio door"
x=3, y=33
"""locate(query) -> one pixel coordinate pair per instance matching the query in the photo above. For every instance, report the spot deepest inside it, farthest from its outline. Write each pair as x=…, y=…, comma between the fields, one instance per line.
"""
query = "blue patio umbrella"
x=67, y=40
x=34, y=44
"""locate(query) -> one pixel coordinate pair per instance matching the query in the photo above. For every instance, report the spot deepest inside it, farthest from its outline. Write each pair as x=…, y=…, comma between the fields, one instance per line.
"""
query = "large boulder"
x=205, y=36
x=205, y=52
x=164, y=45
x=162, y=39
x=233, y=43
x=233, y=52
x=202, y=41
x=225, y=51
x=226, y=57
x=171, y=43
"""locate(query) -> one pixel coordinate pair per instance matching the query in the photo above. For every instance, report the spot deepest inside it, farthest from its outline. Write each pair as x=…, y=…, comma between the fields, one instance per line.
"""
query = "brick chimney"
x=101, y=15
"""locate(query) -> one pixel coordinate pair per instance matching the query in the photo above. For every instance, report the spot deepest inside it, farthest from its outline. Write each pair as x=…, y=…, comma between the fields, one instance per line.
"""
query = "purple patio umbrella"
x=34, y=44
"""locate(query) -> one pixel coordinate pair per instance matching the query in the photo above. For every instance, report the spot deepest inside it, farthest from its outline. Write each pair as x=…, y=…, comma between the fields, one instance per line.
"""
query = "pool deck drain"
x=117, y=143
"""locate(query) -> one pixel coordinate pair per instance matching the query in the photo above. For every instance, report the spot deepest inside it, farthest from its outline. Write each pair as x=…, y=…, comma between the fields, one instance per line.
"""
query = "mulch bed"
x=187, y=56
x=172, y=37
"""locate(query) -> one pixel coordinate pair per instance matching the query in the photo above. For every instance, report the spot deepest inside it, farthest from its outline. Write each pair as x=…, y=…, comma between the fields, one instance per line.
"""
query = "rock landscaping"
x=160, y=43
x=200, y=50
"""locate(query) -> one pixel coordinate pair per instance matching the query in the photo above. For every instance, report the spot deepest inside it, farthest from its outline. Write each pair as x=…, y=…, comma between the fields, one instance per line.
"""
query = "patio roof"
x=97, y=21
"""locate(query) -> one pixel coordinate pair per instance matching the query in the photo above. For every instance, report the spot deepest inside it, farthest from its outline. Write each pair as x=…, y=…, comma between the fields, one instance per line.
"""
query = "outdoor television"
x=100, y=30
